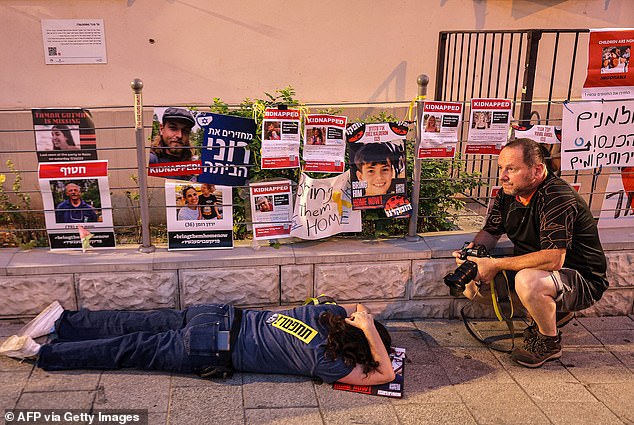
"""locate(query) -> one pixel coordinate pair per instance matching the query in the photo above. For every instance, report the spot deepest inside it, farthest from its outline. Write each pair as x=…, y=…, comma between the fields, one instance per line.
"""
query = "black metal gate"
x=536, y=69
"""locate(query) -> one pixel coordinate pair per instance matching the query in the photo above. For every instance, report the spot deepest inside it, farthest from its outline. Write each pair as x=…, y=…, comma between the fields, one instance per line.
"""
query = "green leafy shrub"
x=16, y=215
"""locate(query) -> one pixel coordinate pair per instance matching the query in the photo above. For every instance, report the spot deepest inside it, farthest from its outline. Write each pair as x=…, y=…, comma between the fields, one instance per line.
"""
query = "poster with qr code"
x=74, y=41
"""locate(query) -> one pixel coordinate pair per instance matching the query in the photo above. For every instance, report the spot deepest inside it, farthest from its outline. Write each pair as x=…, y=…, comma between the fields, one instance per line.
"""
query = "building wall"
x=329, y=51
x=396, y=278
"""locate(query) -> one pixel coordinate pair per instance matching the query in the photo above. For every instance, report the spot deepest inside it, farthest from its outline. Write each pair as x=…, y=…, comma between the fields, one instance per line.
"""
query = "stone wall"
x=395, y=278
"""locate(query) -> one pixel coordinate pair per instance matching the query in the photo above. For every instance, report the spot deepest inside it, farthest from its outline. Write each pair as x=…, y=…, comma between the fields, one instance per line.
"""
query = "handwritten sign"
x=324, y=208
x=617, y=209
x=597, y=134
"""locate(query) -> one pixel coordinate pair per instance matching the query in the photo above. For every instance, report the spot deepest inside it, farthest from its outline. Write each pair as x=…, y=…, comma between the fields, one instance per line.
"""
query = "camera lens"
x=459, y=278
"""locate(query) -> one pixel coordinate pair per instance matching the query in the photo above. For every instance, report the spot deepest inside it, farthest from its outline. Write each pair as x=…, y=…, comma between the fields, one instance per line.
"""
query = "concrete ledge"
x=400, y=279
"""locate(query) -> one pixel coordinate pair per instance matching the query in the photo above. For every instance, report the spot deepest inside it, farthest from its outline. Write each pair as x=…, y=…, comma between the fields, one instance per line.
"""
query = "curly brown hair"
x=349, y=343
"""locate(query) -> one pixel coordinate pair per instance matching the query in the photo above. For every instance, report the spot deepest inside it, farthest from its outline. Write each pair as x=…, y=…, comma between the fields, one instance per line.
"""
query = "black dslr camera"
x=467, y=271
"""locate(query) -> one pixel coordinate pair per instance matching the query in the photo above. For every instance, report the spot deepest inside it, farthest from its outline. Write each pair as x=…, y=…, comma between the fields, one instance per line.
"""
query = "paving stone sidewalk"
x=449, y=379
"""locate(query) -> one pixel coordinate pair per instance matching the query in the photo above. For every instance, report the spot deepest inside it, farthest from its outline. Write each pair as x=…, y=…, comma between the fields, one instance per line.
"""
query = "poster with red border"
x=73, y=194
x=488, y=126
x=324, y=143
x=271, y=209
x=439, y=135
x=280, y=139
x=609, y=74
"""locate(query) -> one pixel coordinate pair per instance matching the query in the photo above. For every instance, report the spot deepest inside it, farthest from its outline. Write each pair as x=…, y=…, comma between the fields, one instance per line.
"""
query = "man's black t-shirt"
x=556, y=217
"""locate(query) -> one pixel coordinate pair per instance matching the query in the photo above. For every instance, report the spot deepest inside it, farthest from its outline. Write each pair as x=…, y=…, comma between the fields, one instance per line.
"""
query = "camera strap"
x=503, y=307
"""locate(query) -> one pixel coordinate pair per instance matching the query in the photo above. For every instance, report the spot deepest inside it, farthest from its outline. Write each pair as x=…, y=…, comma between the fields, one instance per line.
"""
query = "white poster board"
x=74, y=41
x=323, y=207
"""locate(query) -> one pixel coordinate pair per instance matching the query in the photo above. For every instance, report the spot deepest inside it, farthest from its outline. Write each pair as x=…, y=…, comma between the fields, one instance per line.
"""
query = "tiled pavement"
x=450, y=379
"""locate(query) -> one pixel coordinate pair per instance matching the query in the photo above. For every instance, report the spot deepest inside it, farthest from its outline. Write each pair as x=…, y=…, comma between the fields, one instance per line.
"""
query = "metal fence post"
x=530, y=70
x=146, y=247
x=422, y=81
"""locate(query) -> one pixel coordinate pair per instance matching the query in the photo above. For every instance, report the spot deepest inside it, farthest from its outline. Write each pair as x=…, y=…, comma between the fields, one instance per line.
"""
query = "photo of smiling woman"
x=191, y=210
x=62, y=138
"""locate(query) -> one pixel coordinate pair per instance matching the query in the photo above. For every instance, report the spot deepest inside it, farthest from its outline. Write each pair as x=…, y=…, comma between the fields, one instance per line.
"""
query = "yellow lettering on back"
x=297, y=328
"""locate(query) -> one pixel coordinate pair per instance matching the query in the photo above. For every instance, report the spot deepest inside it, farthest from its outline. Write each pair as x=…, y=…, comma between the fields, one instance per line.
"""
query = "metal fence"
x=538, y=70
x=123, y=136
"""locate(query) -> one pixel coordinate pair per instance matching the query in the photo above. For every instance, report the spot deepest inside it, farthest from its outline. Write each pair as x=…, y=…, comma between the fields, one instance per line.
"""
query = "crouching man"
x=558, y=265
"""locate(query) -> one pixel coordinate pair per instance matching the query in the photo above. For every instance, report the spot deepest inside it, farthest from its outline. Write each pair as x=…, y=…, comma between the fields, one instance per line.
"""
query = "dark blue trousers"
x=171, y=340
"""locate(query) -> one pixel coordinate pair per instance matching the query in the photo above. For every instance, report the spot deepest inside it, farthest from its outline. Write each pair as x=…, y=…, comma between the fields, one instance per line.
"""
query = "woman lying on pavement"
x=330, y=342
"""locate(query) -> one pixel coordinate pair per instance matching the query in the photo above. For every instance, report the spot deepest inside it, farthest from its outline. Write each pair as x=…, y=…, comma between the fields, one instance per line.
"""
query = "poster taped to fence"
x=441, y=122
x=489, y=126
x=172, y=154
x=597, y=134
x=324, y=143
x=377, y=163
x=323, y=207
x=617, y=209
x=280, y=139
x=391, y=389
x=199, y=215
x=547, y=134
x=226, y=156
x=271, y=209
x=609, y=74
x=64, y=135
x=76, y=193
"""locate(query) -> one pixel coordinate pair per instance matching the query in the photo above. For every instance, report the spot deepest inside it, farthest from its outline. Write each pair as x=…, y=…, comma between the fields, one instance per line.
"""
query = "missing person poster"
x=609, y=75
x=324, y=143
x=489, y=126
x=73, y=194
x=226, y=156
x=323, y=207
x=280, y=139
x=597, y=134
x=271, y=209
x=199, y=216
x=377, y=163
x=64, y=135
x=172, y=153
x=617, y=209
x=439, y=136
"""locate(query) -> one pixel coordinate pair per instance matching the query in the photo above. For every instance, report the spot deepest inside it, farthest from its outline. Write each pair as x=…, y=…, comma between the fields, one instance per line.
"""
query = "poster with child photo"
x=377, y=163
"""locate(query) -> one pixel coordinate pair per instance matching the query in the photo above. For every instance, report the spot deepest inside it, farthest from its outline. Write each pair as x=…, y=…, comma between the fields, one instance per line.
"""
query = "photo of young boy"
x=377, y=169
x=208, y=202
